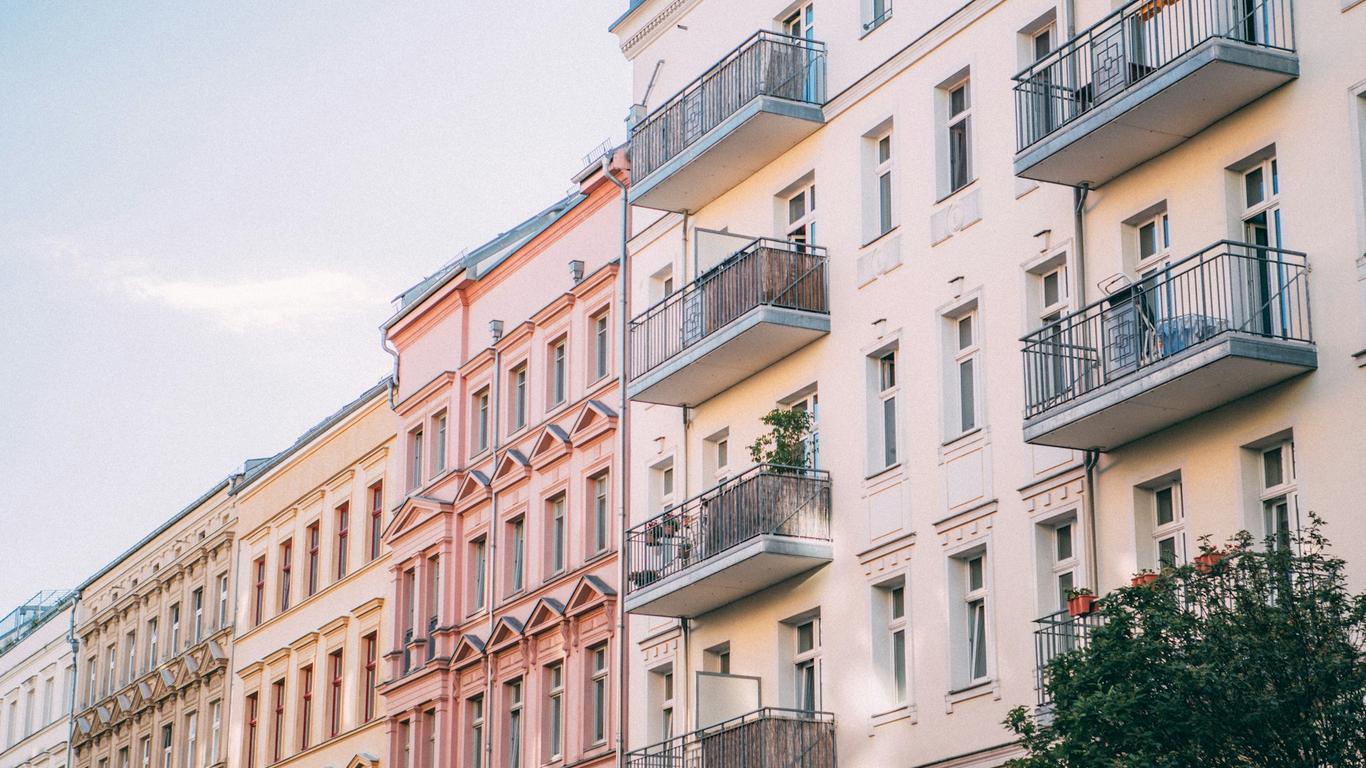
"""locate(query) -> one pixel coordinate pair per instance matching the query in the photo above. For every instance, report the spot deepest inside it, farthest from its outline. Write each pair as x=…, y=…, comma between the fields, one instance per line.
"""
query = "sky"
x=206, y=209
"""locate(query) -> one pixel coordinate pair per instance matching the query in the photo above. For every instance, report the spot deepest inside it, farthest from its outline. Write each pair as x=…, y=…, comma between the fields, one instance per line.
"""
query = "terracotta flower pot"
x=1143, y=579
x=1081, y=605
x=1206, y=561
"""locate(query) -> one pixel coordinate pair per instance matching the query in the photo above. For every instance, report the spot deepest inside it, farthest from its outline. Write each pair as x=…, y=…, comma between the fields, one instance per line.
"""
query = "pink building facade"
x=504, y=566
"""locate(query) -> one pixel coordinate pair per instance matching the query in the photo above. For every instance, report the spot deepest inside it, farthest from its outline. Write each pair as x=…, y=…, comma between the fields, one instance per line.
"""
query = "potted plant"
x=660, y=530
x=1081, y=602
x=643, y=577
x=1143, y=578
x=783, y=447
x=1208, y=559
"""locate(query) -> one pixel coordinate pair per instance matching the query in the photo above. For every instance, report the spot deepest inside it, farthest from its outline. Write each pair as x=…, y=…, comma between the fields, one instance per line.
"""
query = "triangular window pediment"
x=588, y=593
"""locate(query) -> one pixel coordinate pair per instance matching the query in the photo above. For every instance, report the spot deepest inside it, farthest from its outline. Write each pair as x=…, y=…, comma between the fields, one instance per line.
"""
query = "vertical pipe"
x=490, y=572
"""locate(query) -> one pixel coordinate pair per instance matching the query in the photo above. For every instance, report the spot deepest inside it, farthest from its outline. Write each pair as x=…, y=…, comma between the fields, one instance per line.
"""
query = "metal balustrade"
x=769, y=737
x=768, y=499
x=766, y=272
x=1227, y=288
x=1058, y=633
x=1133, y=42
x=767, y=64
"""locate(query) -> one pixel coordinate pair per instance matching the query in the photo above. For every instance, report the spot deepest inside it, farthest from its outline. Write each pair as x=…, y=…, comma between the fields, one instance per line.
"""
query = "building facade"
x=306, y=659
x=154, y=632
x=1124, y=197
x=37, y=679
x=504, y=547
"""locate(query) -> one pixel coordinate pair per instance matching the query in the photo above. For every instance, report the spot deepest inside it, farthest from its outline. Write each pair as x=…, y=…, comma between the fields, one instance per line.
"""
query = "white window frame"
x=557, y=532
x=895, y=627
x=1175, y=530
x=802, y=227
x=557, y=372
x=598, y=713
x=1284, y=492
x=602, y=345
x=439, y=435
x=806, y=666
x=415, y=468
x=519, y=398
x=481, y=420
x=602, y=534
x=888, y=408
x=476, y=716
x=965, y=354
x=976, y=613
x=1160, y=223
x=1064, y=567
x=954, y=120
x=884, y=192
x=554, y=725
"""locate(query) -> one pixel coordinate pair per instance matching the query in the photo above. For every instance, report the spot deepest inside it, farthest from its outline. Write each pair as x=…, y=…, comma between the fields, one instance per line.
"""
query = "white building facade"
x=37, y=678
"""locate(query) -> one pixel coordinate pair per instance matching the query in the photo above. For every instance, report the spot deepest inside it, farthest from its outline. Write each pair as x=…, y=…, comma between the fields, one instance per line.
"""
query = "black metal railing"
x=1056, y=634
x=767, y=64
x=766, y=272
x=769, y=737
x=1224, y=289
x=1130, y=44
x=768, y=499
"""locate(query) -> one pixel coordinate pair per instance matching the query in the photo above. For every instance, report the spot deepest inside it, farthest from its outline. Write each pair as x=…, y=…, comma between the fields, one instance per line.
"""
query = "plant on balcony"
x=662, y=529
x=1143, y=578
x=643, y=577
x=1209, y=557
x=1258, y=662
x=784, y=446
x=1081, y=601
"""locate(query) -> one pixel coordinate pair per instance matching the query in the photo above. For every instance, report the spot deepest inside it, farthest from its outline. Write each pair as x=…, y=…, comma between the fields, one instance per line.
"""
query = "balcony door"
x=1262, y=269
x=801, y=24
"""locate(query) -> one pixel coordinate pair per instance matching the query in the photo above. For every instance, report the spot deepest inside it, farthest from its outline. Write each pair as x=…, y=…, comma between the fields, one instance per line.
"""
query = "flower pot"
x=1081, y=605
x=1143, y=579
x=1206, y=561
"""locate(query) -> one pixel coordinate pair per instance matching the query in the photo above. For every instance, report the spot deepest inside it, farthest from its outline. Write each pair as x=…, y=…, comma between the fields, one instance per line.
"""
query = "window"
x=123, y=758
x=479, y=568
x=662, y=484
x=314, y=555
x=517, y=555
x=975, y=616
x=145, y=751
x=429, y=744
x=1154, y=239
x=433, y=602
x=959, y=135
x=476, y=742
x=1169, y=538
x=376, y=517
x=512, y=692
x=167, y=746
x=556, y=383
x=197, y=614
x=891, y=609
x=555, y=530
x=666, y=706
x=601, y=522
x=175, y=628
x=277, y=722
x=152, y=659
x=192, y=740
x=801, y=216
x=882, y=180
x=370, y=643
x=1268, y=297
x=92, y=689
x=597, y=705
x=1280, y=511
x=215, y=731
x=806, y=665
x=130, y=671
x=717, y=659
x=408, y=616
x=343, y=537
x=405, y=739
x=222, y=600
x=554, y=708
x=286, y=565
x=602, y=354
x=258, y=599
x=876, y=13
x=440, y=443
x=334, y=704
x=415, y=446
x=886, y=416
x=481, y=420
x=1065, y=562
x=305, y=707
x=518, y=397
x=963, y=393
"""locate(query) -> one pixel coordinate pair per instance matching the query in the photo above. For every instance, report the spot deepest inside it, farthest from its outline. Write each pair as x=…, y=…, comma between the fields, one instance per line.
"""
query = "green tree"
x=1252, y=656
x=784, y=444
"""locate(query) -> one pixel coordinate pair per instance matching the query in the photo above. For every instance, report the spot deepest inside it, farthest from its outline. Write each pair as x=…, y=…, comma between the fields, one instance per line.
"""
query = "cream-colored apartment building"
x=154, y=634
x=1042, y=275
x=37, y=676
x=310, y=618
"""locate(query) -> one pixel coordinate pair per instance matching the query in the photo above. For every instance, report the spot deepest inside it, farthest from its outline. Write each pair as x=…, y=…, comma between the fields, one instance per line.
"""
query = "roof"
x=255, y=468
x=31, y=614
x=630, y=8
x=483, y=259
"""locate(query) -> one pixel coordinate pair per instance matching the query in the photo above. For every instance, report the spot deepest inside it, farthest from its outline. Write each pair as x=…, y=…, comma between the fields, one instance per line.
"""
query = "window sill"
x=881, y=236
x=973, y=691
x=881, y=473
x=903, y=712
x=961, y=437
x=971, y=183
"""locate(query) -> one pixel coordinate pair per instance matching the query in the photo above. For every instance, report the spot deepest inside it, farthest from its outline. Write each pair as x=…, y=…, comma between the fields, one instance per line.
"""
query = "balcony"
x=1056, y=634
x=745, y=535
x=758, y=306
x=1144, y=79
x=753, y=105
x=766, y=737
x=1201, y=333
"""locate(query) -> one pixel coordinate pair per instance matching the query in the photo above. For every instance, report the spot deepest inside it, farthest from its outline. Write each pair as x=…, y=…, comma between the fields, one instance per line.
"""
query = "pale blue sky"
x=205, y=209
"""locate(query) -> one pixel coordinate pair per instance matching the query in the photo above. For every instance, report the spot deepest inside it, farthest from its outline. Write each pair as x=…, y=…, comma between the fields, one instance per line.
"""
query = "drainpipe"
x=491, y=573
x=1092, y=458
x=75, y=675
x=393, y=378
x=624, y=469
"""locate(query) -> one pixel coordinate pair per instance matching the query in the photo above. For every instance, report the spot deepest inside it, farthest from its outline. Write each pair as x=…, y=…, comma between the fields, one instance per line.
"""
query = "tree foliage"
x=1250, y=657
x=784, y=443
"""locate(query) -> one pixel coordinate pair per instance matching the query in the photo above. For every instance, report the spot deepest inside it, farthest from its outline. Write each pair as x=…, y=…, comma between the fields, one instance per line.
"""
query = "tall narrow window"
x=277, y=722
x=433, y=602
x=513, y=692
x=601, y=521
x=123, y=758
x=192, y=740
x=558, y=362
x=286, y=572
x=405, y=744
x=167, y=746
x=343, y=537
x=554, y=712
x=1279, y=509
x=481, y=421
x=597, y=704
x=175, y=627
x=222, y=600
x=197, y=615
x=152, y=659
x=145, y=752
x=601, y=346
x=334, y=693
x=1169, y=537
x=519, y=410
x=376, y=517
x=883, y=174
x=314, y=556
x=440, y=447
x=416, y=446
x=806, y=665
x=478, y=568
x=429, y=742
x=371, y=647
x=892, y=610
x=555, y=529
x=258, y=595
x=305, y=707
x=215, y=731
x=887, y=389
x=92, y=692
x=811, y=442
x=965, y=357
x=959, y=136
x=476, y=742
x=130, y=671
x=1268, y=295
x=1065, y=563
x=801, y=216
x=517, y=555
x=975, y=614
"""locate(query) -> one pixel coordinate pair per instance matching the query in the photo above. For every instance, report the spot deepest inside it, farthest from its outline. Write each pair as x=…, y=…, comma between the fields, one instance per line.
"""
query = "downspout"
x=491, y=573
x=624, y=470
x=1092, y=457
x=75, y=676
x=393, y=377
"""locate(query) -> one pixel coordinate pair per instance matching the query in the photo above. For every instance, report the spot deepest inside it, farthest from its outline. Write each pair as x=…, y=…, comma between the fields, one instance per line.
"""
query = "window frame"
x=968, y=354
x=960, y=173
